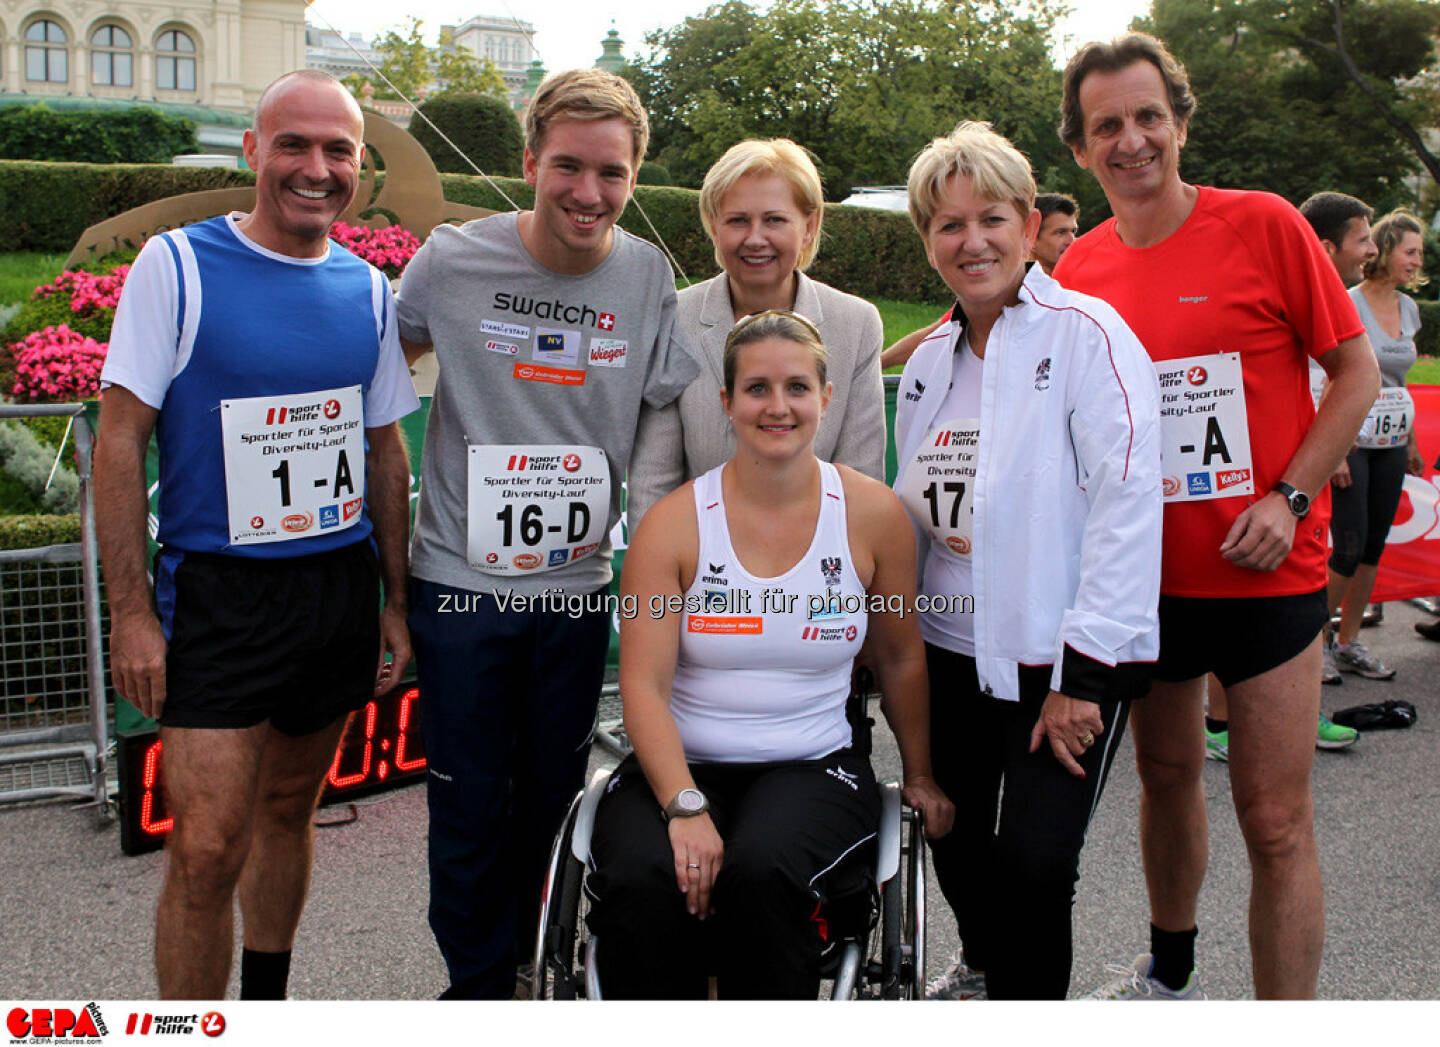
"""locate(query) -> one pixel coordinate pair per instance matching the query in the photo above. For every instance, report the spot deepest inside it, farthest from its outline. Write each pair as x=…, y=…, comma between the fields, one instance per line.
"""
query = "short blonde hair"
x=1387, y=234
x=586, y=94
x=773, y=323
x=997, y=169
x=774, y=156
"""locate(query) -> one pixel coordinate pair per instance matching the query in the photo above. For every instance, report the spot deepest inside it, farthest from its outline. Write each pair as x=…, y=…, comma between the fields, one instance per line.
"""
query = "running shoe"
x=1134, y=983
x=1217, y=745
x=1332, y=736
x=1328, y=672
x=1374, y=614
x=958, y=982
x=1429, y=630
x=1354, y=658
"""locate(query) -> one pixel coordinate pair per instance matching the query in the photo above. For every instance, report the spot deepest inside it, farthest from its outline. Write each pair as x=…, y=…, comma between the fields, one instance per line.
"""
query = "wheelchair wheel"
x=558, y=964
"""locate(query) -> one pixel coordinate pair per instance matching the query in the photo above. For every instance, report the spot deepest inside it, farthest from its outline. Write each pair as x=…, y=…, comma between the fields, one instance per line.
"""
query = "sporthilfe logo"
x=570, y=462
x=257, y=522
x=1197, y=375
x=332, y=409
x=503, y=348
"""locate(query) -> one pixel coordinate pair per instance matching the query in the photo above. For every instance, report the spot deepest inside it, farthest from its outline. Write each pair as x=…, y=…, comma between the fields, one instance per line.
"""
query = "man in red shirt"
x=1231, y=294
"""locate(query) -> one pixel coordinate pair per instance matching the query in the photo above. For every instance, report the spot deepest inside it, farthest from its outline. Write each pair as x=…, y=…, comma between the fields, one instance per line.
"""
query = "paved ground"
x=75, y=914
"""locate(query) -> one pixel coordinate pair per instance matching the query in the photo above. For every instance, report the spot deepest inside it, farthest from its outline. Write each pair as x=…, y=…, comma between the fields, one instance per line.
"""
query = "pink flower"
x=57, y=363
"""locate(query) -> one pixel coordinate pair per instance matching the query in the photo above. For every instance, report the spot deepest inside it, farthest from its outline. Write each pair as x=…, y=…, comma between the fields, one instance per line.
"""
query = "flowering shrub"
x=389, y=249
x=89, y=293
x=57, y=365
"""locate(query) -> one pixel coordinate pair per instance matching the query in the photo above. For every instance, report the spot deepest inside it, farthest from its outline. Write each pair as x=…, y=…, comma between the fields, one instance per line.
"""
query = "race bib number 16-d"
x=1204, y=431
x=535, y=507
x=294, y=464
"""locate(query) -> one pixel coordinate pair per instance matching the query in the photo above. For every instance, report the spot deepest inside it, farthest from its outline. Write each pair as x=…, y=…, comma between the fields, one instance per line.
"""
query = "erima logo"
x=524, y=305
x=919, y=391
x=716, y=575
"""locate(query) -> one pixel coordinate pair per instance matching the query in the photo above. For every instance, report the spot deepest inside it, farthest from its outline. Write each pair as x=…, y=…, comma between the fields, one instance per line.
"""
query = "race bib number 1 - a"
x=1204, y=431
x=534, y=508
x=294, y=464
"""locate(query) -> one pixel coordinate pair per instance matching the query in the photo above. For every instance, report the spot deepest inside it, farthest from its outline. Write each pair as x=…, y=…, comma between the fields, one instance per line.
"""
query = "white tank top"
x=764, y=663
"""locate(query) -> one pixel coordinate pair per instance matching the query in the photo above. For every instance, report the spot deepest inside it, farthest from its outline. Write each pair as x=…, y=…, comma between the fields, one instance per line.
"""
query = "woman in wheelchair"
x=744, y=812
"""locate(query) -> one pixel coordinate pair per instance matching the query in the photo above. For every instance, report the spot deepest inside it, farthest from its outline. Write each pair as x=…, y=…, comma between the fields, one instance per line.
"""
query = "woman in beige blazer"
x=762, y=207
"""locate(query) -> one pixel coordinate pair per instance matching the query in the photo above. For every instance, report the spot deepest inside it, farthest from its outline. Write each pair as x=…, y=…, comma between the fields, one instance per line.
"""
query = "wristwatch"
x=1298, y=501
x=687, y=803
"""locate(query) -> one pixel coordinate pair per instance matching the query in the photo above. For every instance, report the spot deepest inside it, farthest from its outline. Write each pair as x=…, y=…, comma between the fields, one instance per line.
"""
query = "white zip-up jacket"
x=1067, y=502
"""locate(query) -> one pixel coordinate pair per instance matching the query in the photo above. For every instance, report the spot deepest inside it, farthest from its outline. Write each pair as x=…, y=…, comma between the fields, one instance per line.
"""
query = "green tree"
x=863, y=84
x=406, y=64
x=1280, y=104
x=457, y=71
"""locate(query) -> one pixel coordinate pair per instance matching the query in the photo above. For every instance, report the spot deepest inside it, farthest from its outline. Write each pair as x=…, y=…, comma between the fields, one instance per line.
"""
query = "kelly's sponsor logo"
x=1230, y=477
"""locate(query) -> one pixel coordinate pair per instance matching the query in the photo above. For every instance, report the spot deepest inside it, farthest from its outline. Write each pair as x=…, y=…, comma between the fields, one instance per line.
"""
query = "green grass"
x=22, y=272
x=900, y=318
x=1425, y=372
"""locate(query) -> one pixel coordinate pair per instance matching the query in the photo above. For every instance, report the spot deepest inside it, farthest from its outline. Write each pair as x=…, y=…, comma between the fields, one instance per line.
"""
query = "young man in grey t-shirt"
x=550, y=328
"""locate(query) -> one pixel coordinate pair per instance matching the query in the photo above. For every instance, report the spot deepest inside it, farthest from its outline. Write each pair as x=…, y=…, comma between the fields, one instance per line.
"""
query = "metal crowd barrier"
x=54, y=732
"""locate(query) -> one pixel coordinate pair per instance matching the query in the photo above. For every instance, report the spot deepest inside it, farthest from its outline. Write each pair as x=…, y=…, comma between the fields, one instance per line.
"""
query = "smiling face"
x=778, y=398
x=305, y=149
x=583, y=177
x=1354, y=250
x=759, y=232
x=1057, y=233
x=979, y=247
x=1132, y=139
x=1407, y=260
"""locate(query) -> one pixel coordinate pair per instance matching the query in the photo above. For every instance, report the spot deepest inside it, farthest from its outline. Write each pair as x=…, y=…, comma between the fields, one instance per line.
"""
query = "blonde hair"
x=774, y=156
x=1387, y=234
x=997, y=169
x=586, y=94
x=773, y=323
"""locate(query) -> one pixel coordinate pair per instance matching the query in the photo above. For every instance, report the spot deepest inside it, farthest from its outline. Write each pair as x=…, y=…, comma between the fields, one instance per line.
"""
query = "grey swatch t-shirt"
x=541, y=377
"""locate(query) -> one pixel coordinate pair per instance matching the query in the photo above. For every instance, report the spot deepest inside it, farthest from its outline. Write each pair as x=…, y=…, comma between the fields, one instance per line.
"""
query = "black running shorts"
x=1236, y=639
x=293, y=641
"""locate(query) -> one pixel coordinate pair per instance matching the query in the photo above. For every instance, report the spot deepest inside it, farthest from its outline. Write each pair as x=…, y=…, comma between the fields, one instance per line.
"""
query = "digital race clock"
x=380, y=748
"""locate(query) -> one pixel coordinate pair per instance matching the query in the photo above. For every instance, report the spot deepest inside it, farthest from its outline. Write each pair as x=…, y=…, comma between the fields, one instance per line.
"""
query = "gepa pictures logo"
x=43, y=1024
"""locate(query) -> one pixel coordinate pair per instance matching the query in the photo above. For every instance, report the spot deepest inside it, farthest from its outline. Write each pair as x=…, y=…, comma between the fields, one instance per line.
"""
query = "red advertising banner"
x=1411, y=563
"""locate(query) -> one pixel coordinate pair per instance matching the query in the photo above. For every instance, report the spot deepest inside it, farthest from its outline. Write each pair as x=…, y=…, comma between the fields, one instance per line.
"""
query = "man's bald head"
x=308, y=81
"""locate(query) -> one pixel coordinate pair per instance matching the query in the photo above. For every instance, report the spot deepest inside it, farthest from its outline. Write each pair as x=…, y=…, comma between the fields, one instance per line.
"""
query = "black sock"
x=1173, y=955
x=264, y=975
x=1216, y=726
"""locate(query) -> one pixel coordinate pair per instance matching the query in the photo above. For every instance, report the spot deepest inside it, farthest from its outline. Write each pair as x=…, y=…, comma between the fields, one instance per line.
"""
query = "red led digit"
x=147, y=795
x=401, y=764
x=337, y=781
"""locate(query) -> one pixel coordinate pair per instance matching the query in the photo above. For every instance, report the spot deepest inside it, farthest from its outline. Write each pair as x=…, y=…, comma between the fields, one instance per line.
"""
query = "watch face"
x=690, y=800
x=1299, y=503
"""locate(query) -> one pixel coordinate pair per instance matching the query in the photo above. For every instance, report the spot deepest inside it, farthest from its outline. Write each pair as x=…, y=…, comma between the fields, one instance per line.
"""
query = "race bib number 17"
x=1204, y=430
x=294, y=464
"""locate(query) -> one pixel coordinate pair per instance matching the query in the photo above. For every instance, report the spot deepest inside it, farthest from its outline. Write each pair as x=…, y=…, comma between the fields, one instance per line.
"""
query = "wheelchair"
x=882, y=958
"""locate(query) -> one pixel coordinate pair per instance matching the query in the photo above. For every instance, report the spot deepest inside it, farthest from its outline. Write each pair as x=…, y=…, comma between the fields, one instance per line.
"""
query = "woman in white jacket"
x=1029, y=453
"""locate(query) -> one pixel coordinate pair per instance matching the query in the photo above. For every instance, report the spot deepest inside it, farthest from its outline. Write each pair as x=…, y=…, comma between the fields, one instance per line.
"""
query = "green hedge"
x=47, y=206
x=483, y=127
x=1428, y=340
x=31, y=532
x=874, y=254
x=124, y=136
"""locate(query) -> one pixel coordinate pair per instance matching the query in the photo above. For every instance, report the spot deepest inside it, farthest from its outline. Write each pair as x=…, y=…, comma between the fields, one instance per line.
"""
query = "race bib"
x=294, y=464
x=938, y=485
x=534, y=508
x=1204, y=432
x=1390, y=420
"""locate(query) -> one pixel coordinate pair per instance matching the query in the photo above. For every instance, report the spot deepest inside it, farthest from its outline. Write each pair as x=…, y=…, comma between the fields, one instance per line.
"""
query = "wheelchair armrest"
x=585, y=817
x=887, y=848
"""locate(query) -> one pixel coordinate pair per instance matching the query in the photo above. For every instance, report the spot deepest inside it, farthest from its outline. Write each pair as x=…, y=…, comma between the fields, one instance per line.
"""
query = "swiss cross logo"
x=332, y=408
x=571, y=462
x=1196, y=375
x=606, y=322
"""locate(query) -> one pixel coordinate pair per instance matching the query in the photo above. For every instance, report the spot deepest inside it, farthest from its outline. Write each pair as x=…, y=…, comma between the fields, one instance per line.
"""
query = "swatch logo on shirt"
x=554, y=309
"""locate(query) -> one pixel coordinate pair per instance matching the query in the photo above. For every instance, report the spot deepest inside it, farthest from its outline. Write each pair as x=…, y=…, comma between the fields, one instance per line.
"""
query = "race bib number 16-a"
x=1204, y=431
x=535, y=507
x=294, y=464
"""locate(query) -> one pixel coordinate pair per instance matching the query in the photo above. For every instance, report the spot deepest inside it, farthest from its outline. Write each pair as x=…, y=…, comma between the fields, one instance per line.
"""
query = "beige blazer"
x=691, y=436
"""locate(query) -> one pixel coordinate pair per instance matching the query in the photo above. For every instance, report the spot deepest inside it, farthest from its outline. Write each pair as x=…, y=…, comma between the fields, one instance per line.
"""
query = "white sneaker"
x=1135, y=983
x=958, y=982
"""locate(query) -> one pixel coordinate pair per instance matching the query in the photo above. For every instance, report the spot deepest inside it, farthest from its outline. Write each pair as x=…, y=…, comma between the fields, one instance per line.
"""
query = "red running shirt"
x=1245, y=274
